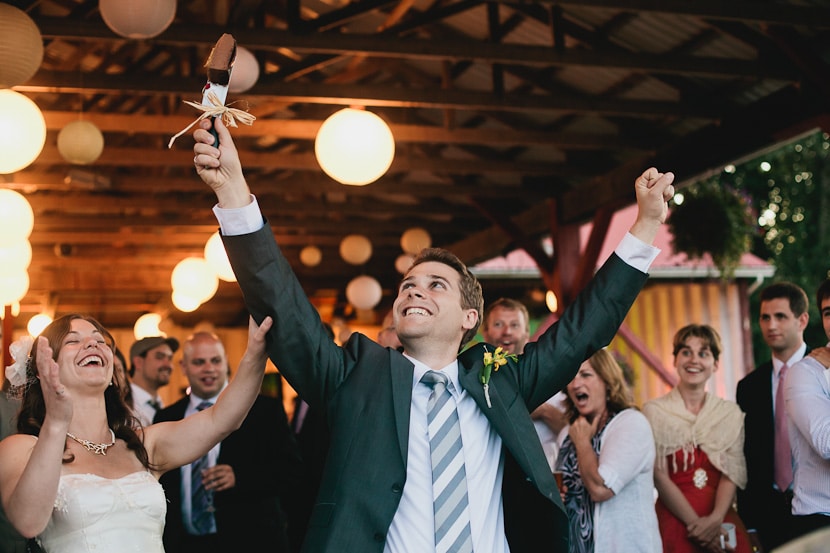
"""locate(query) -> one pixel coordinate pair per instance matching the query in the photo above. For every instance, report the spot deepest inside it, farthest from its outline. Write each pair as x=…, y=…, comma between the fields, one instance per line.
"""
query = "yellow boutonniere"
x=492, y=361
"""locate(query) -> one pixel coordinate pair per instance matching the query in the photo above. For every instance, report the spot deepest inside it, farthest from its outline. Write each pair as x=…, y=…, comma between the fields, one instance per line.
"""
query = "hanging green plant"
x=714, y=219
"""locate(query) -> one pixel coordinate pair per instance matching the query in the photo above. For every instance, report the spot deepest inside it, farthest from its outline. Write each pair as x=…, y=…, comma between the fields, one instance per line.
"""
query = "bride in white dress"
x=82, y=474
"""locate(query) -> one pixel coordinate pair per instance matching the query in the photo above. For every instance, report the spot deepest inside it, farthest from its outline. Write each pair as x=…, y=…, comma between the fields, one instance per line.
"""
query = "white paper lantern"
x=80, y=142
x=147, y=325
x=37, y=323
x=13, y=286
x=364, y=292
x=354, y=146
x=21, y=47
x=16, y=216
x=414, y=240
x=193, y=277
x=138, y=18
x=311, y=256
x=217, y=258
x=22, y=131
x=355, y=249
x=404, y=262
x=15, y=255
x=185, y=303
x=245, y=72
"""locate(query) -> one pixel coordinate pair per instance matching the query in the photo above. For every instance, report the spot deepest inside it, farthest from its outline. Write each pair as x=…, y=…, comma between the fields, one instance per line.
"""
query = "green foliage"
x=790, y=188
x=714, y=218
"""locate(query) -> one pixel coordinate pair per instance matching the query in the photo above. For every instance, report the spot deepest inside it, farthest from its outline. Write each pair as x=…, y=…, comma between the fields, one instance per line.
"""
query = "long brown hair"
x=119, y=416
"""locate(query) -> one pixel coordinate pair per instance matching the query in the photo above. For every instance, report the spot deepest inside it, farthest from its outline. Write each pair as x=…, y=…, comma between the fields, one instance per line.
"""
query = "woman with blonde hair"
x=607, y=462
x=700, y=458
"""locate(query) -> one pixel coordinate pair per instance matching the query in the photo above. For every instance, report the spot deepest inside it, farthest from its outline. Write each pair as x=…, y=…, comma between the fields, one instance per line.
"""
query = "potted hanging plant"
x=716, y=219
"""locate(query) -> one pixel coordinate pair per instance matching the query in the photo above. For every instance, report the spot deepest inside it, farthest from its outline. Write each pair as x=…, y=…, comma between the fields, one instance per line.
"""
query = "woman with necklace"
x=700, y=460
x=82, y=474
x=607, y=462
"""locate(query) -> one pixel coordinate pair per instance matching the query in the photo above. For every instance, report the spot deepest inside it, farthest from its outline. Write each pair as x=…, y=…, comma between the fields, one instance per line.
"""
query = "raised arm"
x=653, y=189
x=220, y=167
x=173, y=444
x=30, y=468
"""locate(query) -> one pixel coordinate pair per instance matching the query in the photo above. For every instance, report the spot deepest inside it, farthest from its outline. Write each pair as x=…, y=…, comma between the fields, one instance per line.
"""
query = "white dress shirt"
x=807, y=391
x=142, y=400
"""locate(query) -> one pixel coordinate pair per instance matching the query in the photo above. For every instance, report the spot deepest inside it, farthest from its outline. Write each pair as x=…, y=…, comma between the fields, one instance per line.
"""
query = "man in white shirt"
x=377, y=489
x=808, y=410
x=151, y=364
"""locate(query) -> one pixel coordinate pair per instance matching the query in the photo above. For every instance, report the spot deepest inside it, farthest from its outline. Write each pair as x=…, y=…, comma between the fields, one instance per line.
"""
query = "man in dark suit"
x=377, y=490
x=251, y=473
x=763, y=506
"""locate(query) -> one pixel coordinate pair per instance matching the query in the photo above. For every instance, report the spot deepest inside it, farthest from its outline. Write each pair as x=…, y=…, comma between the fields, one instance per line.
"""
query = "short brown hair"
x=706, y=333
x=470, y=287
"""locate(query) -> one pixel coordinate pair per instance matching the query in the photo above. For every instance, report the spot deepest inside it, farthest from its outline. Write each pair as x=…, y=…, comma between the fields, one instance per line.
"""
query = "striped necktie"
x=449, y=478
x=201, y=500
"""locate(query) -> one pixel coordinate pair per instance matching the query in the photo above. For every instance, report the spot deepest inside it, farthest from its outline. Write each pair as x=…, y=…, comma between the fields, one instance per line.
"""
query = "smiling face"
x=588, y=392
x=205, y=365
x=695, y=362
x=429, y=306
x=507, y=328
x=85, y=356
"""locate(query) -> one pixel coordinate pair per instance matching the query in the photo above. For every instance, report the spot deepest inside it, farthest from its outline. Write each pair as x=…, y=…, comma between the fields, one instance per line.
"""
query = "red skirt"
x=672, y=530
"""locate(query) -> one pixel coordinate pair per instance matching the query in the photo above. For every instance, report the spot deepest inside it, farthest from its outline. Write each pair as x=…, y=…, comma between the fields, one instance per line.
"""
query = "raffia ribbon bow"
x=229, y=115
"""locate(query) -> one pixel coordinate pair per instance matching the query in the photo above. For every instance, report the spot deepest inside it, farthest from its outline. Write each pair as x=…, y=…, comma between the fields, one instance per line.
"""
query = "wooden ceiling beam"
x=386, y=46
x=306, y=129
x=267, y=89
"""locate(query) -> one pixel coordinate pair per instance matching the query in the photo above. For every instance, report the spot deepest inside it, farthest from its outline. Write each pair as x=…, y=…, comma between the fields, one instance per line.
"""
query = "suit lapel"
x=402, y=372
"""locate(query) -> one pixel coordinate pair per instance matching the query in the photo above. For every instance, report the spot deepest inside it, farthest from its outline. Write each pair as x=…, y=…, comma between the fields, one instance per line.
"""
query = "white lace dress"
x=102, y=515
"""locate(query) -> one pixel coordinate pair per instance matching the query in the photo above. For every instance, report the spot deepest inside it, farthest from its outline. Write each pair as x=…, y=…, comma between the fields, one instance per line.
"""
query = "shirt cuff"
x=239, y=220
x=636, y=253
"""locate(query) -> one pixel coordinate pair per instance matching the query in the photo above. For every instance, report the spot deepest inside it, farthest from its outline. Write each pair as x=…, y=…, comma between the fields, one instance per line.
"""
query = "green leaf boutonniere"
x=492, y=361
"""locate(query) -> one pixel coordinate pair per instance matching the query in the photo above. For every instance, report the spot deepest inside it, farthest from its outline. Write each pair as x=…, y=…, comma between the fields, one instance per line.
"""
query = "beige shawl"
x=718, y=429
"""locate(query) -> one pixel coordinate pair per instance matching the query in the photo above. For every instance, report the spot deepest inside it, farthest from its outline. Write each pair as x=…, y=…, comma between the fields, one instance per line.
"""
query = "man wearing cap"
x=151, y=361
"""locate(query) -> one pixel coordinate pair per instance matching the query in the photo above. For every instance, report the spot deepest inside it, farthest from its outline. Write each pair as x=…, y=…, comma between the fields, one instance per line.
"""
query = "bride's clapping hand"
x=55, y=395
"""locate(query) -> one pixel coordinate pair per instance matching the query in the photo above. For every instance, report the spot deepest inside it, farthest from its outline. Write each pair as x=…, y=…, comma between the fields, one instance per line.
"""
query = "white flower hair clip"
x=17, y=372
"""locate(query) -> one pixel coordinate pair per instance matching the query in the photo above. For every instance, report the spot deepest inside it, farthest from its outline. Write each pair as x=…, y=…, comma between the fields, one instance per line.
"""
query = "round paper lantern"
x=16, y=216
x=355, y=249
x=147, y=325
x=354, y=146
x=193, y=277
x=185, y=303
x=217, y=258
x=22, y=131
x=403, y=263
x=364, y=292
x=13, y=286
x=21, y=47
x=16, y=255
x=37, y=323
x=414, y=240
x=245, y=71
x=138, y=18
x=311, y=256
x=80, y=142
